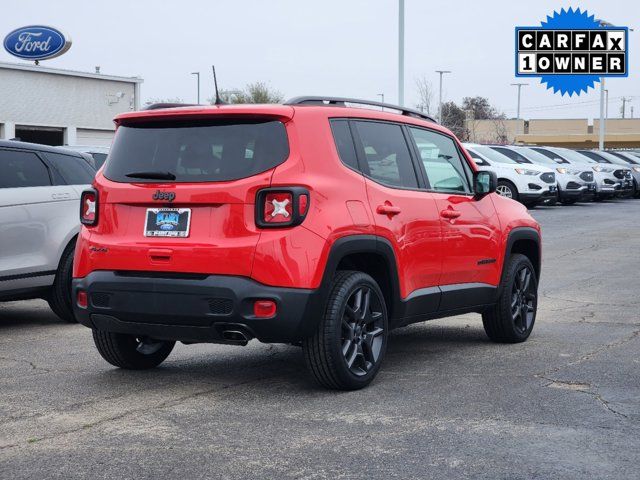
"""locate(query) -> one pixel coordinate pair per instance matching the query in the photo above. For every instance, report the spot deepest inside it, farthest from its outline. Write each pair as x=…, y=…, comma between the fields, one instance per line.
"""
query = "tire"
x=505, y=186
x=569, y=201
x=348, y=347
x=129, y=352
x=512, y=318
x=59, y=298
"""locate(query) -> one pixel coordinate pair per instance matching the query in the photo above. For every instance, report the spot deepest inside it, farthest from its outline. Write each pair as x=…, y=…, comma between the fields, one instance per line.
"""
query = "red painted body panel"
x=430, y=250
x=414, y=233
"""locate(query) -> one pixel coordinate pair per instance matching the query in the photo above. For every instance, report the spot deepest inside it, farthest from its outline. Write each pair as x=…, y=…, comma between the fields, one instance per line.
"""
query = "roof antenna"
x=215, y=84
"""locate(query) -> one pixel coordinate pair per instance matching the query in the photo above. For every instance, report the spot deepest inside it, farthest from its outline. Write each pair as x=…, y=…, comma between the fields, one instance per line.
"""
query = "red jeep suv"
x=317, y=223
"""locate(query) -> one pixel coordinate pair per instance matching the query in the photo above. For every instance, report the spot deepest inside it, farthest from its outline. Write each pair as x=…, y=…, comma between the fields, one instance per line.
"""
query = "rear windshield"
x=196, y=152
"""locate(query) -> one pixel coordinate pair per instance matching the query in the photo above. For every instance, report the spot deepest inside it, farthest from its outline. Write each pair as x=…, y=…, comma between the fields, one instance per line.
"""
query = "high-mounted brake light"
x=89, y=208
x=281, y=207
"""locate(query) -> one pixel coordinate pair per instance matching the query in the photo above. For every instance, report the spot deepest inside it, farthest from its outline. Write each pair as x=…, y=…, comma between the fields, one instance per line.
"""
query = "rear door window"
x=22, y=169
x=386, y=154
x=74, y=170
x=196, y=151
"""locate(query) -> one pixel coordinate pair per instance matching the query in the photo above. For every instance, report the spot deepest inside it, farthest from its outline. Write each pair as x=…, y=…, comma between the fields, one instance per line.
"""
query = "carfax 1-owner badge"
x=571, y=51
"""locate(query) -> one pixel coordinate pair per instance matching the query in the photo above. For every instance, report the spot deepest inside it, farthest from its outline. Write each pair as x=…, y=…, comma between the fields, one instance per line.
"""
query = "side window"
x=386, y=153
x=441, y=160
x=22, y=169
x=344, y=143
x=513, y=155
x=74, y=170
x=477, y=158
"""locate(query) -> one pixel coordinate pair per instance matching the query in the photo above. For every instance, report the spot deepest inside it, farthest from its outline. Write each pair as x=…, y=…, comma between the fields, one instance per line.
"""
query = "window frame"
x=463, y=158
x=39, y=157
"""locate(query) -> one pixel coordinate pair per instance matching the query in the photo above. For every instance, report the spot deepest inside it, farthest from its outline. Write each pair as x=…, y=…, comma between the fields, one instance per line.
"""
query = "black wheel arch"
x=370, y=254
x=525, y=240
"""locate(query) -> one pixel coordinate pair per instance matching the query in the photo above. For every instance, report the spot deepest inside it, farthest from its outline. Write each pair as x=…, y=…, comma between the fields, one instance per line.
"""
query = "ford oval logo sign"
x=36, y=42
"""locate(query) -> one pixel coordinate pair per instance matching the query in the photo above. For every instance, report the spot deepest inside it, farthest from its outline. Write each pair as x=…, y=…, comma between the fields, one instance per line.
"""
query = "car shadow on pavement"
x=273, y=367
x=27, y=314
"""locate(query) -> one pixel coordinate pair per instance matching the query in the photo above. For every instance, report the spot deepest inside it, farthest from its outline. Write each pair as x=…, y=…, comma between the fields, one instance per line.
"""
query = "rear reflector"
x=278, y=207
x=89, y=207
x=81, y=299
x=264, y=308
x=281, y=207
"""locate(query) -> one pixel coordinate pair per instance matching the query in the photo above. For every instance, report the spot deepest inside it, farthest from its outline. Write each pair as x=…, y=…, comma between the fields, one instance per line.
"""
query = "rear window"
x=213, y=151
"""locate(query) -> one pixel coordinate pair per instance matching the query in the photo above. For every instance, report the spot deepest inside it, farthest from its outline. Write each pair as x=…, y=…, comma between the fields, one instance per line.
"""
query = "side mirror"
x=484, y=182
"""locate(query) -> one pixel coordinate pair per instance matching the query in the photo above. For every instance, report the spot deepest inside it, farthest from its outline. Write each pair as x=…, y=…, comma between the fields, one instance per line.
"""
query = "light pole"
x=381, y=95
x=197, y=74
x=602, y=119
x=441, y=72
x=401, y=53
x=606, y=103
x=519, y=85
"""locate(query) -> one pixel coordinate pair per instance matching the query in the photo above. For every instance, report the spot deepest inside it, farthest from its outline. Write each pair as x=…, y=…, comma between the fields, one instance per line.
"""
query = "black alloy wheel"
x=362, y=329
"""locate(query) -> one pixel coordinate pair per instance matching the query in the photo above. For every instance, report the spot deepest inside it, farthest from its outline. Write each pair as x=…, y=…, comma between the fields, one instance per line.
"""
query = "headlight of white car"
x=524, y=171
x=561, y=170
x=636, y=169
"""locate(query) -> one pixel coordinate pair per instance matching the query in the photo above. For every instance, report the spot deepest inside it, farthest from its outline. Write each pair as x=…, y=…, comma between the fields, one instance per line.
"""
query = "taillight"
x=281, y=207
x=89, y=207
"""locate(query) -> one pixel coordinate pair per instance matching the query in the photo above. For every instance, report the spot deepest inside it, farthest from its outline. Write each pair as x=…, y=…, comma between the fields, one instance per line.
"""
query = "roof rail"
x=341, y=102
x=156, y=106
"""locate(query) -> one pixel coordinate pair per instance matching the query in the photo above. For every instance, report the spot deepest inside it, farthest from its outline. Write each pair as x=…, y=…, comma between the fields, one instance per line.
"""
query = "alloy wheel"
x=523, y=299
x=362, y=329
x=504, y=190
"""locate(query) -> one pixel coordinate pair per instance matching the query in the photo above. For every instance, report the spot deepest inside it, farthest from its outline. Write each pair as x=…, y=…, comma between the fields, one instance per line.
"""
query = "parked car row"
x=536, y=175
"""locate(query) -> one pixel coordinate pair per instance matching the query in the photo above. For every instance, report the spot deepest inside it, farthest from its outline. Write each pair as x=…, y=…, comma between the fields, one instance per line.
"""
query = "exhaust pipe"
x=235, y=336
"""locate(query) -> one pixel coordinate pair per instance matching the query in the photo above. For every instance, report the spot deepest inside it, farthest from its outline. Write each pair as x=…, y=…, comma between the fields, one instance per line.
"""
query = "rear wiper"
x=152, y=175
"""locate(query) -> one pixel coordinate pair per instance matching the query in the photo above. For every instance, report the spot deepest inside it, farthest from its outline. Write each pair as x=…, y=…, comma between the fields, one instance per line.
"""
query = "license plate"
x=167, y=222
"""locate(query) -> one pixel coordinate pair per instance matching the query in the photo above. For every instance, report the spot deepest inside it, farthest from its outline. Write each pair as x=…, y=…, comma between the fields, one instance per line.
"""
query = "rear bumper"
x=192, y=308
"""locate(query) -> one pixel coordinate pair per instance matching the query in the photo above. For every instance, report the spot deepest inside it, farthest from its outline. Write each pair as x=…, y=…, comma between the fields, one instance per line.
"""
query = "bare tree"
x=425, y=94
x=258, y=92
x=501, y=133
x=453, y=117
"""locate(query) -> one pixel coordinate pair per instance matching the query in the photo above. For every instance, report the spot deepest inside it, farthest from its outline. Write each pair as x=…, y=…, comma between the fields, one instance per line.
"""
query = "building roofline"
x=69, y=73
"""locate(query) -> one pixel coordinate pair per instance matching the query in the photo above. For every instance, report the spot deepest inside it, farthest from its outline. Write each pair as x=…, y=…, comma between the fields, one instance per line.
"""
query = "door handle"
x=388, y=210
x=450, y=214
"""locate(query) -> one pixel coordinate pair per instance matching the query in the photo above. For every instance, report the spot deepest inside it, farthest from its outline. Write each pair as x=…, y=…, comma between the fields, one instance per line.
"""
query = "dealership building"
x=62, y=107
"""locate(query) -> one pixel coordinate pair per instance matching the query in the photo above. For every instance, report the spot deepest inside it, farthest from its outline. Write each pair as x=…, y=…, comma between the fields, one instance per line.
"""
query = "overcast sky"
x=324, y=47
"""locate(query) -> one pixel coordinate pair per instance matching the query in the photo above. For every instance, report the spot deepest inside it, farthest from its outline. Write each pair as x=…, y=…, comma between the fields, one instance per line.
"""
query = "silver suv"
x=607, y=185
x=574, y=183
x=40, y=191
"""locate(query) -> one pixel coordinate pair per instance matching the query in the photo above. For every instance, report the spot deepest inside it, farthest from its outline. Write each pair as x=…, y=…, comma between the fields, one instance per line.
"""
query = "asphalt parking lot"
x=447, y=403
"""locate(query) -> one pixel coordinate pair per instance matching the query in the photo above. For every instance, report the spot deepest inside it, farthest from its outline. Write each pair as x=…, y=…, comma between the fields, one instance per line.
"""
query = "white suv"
x=40, y=191
x=529, y=184
x=574, y=184
x=607, y=185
